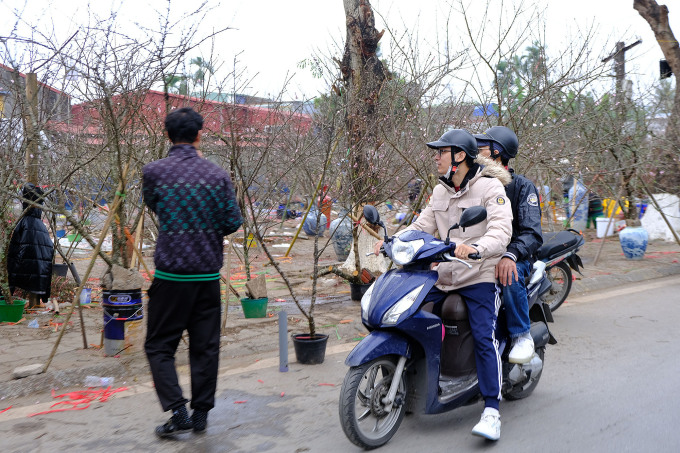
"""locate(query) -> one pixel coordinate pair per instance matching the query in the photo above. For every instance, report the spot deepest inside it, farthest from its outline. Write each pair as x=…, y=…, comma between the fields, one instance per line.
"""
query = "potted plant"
x=255, y=303
x=310, y=346
x=8, y=219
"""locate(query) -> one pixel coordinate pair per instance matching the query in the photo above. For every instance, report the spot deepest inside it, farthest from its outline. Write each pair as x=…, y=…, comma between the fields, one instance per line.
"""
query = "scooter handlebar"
x=382, y=250
x=471, y=256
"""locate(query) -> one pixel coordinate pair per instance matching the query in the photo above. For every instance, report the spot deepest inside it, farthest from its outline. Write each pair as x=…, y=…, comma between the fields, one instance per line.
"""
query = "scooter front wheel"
x=366, y=420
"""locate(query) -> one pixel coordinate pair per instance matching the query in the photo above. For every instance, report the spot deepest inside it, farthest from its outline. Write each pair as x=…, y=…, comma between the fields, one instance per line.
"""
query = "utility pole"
x=619, y=57
x=32, y=133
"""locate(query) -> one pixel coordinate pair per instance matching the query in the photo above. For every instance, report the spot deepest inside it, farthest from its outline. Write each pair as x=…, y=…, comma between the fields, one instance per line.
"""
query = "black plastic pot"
x=310, y=350
x=357, y=290
x=60, y=270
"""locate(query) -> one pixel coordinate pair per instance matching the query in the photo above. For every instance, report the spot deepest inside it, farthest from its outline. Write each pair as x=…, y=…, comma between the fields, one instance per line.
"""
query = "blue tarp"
x=485, y=110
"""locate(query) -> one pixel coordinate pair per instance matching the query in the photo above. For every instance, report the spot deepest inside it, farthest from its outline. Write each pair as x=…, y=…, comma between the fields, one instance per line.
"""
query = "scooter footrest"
x=454, y=385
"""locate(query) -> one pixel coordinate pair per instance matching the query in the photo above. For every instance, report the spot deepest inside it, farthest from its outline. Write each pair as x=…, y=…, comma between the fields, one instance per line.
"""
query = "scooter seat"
x=556, y=244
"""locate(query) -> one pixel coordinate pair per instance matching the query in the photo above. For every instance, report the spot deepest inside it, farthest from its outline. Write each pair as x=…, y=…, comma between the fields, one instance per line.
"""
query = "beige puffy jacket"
x=490, y=237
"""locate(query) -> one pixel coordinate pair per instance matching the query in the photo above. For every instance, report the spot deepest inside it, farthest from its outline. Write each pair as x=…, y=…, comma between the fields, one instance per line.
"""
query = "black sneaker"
x=199, y=419
x=179, y=423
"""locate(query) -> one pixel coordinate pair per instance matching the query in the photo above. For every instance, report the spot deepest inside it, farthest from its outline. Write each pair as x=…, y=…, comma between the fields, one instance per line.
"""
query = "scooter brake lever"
x=382, y=250
x=449, y=257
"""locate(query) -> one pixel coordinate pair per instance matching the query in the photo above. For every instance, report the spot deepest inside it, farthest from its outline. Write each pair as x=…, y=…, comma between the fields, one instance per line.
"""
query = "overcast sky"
x=271, y=37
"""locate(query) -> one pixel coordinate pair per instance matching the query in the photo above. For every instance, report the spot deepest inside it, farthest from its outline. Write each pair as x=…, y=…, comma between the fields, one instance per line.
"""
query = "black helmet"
x=457, y=138
x=503, y=136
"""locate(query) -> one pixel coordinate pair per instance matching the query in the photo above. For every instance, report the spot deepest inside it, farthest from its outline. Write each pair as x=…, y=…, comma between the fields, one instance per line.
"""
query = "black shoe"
x=199, y=419
x=179, y=423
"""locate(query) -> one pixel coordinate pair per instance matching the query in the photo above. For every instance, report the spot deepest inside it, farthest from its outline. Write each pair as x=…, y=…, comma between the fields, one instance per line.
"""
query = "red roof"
x=219, y=117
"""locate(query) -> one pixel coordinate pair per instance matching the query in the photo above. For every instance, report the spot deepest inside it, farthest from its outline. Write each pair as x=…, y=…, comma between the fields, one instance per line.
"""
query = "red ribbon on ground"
x=79, y=400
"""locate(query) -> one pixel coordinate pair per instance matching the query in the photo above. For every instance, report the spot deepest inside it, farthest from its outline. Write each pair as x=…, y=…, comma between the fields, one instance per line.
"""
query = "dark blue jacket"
x=194, y=201
x=526, y=218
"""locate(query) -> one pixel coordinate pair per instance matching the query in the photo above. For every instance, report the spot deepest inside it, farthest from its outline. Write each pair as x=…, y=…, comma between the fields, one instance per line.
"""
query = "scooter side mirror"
x=371, y=215
x=471, y=216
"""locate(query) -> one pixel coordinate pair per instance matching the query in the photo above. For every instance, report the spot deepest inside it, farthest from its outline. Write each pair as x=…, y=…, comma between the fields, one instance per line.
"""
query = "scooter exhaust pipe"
x=540, y=334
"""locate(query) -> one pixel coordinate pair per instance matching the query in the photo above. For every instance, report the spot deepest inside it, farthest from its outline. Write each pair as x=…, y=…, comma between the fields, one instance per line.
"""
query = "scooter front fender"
x=377, y=344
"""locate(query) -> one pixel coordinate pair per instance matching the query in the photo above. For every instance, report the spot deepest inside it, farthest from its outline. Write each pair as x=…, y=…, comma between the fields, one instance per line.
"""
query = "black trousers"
x=173, y=308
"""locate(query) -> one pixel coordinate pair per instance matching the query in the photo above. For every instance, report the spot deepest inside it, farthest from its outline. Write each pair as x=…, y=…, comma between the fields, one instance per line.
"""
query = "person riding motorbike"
x=501, y=144
x=467, y=180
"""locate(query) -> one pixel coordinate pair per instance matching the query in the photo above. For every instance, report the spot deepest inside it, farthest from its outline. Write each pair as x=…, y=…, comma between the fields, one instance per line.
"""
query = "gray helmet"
x=503, y=136
x=457, y=138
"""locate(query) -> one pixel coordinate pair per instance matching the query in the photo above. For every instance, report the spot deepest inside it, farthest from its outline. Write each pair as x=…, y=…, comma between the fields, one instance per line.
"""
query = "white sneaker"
x=489, y=427
x=522, y=349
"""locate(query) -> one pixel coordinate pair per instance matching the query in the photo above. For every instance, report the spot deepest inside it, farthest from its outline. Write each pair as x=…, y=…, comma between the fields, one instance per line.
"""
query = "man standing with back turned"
x=194, y=202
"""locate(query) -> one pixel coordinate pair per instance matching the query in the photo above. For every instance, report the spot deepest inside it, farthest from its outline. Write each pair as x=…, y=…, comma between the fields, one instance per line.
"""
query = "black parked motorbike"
x=559, y=253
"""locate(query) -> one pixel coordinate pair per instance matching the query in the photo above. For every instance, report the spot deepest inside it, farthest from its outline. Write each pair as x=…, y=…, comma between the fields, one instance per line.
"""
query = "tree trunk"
x=657, y=17
x=364, y=76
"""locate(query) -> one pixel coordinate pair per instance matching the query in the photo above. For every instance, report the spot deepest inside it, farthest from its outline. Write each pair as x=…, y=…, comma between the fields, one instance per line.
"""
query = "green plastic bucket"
x=11, y=313
x=254, y=308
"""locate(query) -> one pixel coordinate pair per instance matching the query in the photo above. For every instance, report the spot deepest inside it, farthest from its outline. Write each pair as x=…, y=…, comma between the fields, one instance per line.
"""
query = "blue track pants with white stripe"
x=483, y=301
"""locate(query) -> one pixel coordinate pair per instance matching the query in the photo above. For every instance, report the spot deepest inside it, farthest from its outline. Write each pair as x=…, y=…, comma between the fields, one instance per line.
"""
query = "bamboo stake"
x=116, y=201
x=302, y=222
x=311, y=202
x=138, y=241
x=138, y=253
x=228, y=287
x=76, y=277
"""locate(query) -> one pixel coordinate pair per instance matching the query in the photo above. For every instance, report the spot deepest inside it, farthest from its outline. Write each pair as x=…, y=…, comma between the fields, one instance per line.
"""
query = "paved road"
x=609, y=385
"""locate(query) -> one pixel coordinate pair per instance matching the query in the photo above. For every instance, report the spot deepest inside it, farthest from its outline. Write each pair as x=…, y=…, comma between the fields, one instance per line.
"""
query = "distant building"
x=52, y=103
x=147, y=111
x=474, y=117
x=658, y=125
x=304, y=107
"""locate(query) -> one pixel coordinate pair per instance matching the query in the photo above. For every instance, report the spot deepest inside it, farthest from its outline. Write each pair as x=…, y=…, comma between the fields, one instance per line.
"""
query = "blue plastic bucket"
x=120, y=306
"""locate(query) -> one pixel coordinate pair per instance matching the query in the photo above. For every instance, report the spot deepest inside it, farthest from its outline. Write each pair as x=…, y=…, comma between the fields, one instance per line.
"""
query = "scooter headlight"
x=393, y=314
x=404, y=251
x=366, y=301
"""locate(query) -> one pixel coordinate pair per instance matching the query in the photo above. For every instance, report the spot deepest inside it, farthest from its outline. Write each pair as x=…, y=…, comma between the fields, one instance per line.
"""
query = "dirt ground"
x=247, y=340
x=335, y=314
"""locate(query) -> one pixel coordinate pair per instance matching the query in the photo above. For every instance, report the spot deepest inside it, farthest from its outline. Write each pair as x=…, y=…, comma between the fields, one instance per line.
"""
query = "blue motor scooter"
x=413, y=360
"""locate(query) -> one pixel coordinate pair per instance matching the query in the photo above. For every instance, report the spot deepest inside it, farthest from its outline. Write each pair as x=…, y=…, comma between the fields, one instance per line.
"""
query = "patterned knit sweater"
x=195, y=205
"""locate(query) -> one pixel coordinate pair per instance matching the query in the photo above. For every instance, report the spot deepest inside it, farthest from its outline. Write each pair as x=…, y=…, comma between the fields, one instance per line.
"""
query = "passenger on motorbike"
x=501, y=144
x=466, y=181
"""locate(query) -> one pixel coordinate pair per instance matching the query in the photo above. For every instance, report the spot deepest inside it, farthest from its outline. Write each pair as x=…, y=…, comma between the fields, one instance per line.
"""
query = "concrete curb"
x=74, y=377
x=580, y=287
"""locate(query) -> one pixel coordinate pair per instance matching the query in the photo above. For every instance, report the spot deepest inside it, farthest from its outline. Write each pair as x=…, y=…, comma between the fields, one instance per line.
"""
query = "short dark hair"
x=183, y=125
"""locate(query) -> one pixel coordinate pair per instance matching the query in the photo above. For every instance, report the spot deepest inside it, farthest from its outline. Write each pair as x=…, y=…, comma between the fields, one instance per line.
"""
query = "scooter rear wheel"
x=528, y=388
x=560, y=277
x=363, y=416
